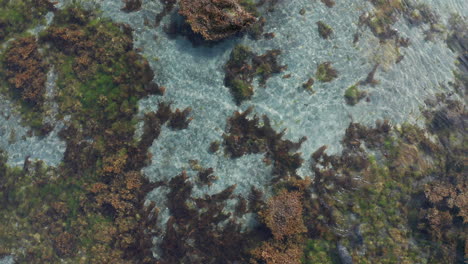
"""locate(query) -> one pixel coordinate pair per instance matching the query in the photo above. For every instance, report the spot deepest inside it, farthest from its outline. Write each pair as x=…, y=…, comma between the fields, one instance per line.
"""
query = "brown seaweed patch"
x=132, y=5
x=26, y=70
x=215, y=19
x=247, y=136
x=199, y=230
x=243, y=65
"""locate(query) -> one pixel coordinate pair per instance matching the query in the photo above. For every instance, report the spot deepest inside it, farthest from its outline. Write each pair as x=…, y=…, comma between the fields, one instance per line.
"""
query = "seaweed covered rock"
x=215, y=19
x=277, y=253
x=362, y=193
x=283, y=215
x=100, y=76
x=95, y=202
x=17, y=16
x=26, y=71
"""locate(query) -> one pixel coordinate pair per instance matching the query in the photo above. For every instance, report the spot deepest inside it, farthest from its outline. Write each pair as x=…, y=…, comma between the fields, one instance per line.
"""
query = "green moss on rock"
x=20, y=15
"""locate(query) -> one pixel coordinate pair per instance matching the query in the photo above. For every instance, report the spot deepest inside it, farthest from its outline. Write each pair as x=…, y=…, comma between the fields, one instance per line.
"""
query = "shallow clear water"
x=194, y=77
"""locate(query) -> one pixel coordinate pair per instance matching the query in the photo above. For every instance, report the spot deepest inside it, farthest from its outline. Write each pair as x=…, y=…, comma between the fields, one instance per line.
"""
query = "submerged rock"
x=215, y=19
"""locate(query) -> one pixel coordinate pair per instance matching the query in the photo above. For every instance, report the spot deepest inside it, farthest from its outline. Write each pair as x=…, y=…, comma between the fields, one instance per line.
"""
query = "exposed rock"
x=344, y=255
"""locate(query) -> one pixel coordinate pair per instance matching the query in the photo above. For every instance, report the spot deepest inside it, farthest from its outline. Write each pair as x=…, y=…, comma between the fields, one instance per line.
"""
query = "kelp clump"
x=199, y=229
x=243, y=65
x=247, y=136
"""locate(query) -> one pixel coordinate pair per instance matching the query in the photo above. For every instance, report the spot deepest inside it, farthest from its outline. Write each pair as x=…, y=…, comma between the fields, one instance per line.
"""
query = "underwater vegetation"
x=353, y=95
x=324, y=30
x=207, y=22
x=397, y=193
x=25, y=72
x=215, y=19
x=363, y=197
x=308, y=86
x=329, y=3
x=18, y=16
x=247, y=136
x=94, y=202
x=325, y=72
x=243, y=65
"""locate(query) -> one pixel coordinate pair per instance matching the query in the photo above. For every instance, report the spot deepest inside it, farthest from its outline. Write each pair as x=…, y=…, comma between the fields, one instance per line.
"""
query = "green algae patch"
x=92, y=203
x=241, y=90
x=353, y=95
x=325, y=72
x=20, y=15
x=98, y=68
x=34, y=197
x=320, y=251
